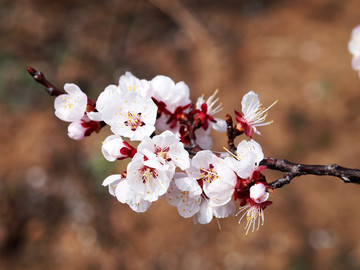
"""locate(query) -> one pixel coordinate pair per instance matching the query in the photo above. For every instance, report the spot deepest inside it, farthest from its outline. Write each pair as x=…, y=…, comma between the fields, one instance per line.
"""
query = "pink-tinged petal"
x=219, y=125
x=258, y=193
x=205, y=214
x=224, y=210
x=188, y=206
x=173, y=194
x=112, y=181
x=355, y=62
x=189, y=184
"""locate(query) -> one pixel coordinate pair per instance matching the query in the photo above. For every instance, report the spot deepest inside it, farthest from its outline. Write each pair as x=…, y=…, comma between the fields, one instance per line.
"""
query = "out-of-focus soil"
x=54, y=213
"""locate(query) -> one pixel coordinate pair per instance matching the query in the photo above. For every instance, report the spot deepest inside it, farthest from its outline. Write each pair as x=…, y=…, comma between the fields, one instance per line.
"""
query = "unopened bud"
x=114, y=147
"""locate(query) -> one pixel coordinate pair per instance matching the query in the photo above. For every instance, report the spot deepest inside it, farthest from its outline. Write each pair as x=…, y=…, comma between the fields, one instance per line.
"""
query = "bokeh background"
x=54, y=213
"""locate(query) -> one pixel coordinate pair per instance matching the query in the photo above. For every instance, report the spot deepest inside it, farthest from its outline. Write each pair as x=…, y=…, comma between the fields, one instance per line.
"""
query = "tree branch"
x=292, y=170
x=40, y=78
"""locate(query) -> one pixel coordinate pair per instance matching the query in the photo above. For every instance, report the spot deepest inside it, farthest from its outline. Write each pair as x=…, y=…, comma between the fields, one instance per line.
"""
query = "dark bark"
x=292, y=170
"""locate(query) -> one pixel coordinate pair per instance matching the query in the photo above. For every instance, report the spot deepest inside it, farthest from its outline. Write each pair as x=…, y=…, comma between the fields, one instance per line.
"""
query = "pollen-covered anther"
x=134, y=121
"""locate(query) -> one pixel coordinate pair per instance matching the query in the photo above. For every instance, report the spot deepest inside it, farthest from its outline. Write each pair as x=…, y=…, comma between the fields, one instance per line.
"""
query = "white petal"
x=250, y=102
x=203, y=139
x=94, y=116
x=173, y=194
x=71, y=106
x=188, y=206
x=205, y=213
x=220, y=125
x=188, y=184
x=355, y=62
x=225, y=210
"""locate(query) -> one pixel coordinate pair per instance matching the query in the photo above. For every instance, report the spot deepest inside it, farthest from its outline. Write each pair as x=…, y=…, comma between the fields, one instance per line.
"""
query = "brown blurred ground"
x=54, y=213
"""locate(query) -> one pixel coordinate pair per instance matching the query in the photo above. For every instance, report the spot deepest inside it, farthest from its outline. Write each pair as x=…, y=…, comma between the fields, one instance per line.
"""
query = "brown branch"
x=40, y=78
x=292, y=170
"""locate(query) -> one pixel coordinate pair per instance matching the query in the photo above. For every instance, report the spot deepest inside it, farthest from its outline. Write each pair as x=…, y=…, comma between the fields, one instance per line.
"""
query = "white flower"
x=253, y=115
x=218, y=181
x=131, y=116
x=129, y=82
x=118, y=187
x=248, y=156
x=114, y=147
x=187, y=195
x=354, y=48
x=254, y=209
x=71, y=106
x=125, y=194
x=167, y=148
x=354, y=43
x=173, y=95
x=147, y=178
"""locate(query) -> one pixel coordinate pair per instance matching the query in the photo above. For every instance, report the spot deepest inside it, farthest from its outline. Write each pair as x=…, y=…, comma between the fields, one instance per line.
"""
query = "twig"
x=40, y=78
x=293, y=170
x=230, y=133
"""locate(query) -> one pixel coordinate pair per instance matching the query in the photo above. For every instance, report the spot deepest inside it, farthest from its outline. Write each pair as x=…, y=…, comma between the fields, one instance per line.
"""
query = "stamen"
x=218, y=223
x=227, y=150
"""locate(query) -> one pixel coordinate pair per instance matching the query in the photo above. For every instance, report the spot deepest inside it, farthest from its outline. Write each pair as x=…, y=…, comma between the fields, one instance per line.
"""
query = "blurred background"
x=54, y=213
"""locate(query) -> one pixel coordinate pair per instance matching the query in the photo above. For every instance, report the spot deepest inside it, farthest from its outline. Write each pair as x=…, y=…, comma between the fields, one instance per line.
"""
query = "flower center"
x=162, y=152
x=134, y=121
x=208, y=175
x=147, y=173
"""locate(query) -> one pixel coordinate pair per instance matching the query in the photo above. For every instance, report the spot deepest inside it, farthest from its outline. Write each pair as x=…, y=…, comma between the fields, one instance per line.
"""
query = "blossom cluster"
x=354, y=48
x=155, y=125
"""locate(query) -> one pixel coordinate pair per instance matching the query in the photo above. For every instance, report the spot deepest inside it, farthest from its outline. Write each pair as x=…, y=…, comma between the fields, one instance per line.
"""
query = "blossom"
x=354, y=48
x=131, y=116
x=167, y=148
x=254, y=208
x=253, y=115
x=125, y=194
x=216, y=179
x=205, y=110
x=147, y=177
x=247, y=158
x=119, y=187
x=71, y=106
x=173, y=95
x=354, y=43
x=114, y=147
x=187, y=195
x=79, y=129
x=128, y=82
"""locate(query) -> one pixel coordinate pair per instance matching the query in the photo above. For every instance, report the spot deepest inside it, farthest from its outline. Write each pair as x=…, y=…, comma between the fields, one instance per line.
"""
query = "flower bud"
x=258, y=193
x=76, y=130
x=114, y=147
